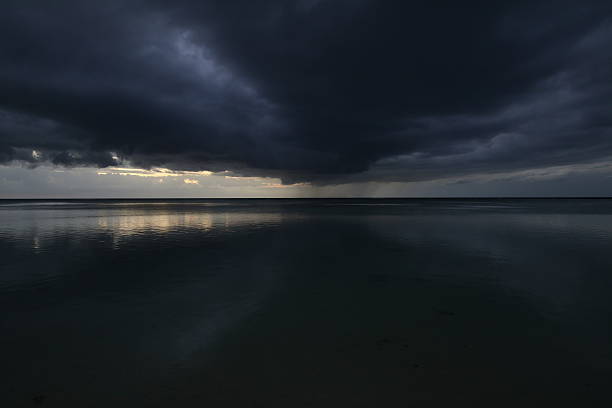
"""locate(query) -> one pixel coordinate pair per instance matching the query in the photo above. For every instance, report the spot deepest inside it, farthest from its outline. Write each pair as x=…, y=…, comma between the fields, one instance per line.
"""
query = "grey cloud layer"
x=322, y=91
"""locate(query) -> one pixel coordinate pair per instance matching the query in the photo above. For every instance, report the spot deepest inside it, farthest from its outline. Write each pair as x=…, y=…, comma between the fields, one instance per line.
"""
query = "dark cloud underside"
x=323, y=91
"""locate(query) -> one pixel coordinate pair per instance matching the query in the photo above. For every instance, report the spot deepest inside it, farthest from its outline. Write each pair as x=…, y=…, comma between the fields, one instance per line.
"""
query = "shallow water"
x=264, y=303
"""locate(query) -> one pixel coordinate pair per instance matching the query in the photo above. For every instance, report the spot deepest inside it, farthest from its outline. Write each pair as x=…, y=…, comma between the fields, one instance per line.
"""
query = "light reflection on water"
x=44, y=226
x=291, y=303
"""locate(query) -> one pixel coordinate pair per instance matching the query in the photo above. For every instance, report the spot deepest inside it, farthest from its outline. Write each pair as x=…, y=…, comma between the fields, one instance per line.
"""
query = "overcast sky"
x=277, y=98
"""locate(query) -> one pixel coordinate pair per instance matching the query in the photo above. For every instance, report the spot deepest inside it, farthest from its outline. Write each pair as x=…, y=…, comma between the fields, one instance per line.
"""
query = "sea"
x=306, y=303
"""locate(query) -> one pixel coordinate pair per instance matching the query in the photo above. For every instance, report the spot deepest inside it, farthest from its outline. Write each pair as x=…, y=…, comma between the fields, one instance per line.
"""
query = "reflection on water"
x=40, y=226
x=306, y=302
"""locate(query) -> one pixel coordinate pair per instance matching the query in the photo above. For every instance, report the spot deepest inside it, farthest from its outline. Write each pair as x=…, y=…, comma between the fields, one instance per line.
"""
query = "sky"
x=305, y=98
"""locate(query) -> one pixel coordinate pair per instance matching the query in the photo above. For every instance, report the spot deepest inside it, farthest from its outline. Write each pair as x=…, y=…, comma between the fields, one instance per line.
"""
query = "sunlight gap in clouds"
x=192, y=177
x=154, y=172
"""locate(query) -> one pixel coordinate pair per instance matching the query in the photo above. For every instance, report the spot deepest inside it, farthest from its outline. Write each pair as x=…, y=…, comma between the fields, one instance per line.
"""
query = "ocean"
x=306, y=302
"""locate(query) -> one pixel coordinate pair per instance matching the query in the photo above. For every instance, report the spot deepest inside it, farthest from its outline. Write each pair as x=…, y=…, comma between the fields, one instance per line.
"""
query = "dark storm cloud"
x=326, y=91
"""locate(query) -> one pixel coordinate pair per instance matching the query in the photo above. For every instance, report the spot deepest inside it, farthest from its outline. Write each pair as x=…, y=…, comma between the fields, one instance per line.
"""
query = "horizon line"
x=314, y=198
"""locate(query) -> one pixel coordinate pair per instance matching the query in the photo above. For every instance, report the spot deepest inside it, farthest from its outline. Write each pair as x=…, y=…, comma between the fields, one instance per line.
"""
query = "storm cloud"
x=307, y=90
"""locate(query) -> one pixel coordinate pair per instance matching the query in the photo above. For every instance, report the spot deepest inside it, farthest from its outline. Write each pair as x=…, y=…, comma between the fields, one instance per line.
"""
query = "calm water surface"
x=295, y=303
